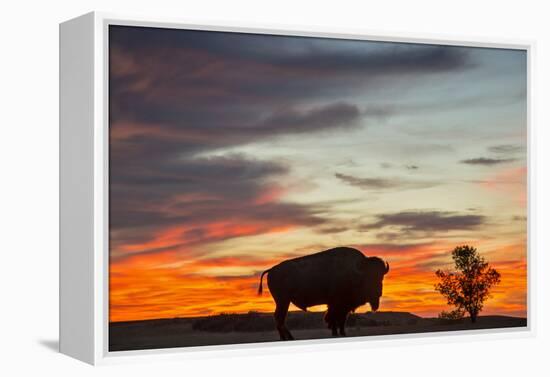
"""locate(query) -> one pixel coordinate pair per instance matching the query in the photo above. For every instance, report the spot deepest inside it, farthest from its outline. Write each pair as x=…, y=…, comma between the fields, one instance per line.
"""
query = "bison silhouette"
x=342, y=278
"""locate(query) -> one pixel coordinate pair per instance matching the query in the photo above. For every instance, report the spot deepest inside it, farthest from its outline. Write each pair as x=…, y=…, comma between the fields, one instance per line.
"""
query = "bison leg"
x=331, y=320
x=281, y=311
x=342, y=323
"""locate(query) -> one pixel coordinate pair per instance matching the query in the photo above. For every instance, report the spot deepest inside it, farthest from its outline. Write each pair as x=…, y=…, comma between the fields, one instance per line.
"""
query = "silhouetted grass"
x=254, y=321
x=260, y=327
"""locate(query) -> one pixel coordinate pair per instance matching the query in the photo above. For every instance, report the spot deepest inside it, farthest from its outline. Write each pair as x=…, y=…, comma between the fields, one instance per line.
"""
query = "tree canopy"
x=468, y=286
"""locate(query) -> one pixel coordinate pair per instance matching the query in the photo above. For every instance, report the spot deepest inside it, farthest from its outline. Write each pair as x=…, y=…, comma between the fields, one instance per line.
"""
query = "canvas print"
x=274, y=188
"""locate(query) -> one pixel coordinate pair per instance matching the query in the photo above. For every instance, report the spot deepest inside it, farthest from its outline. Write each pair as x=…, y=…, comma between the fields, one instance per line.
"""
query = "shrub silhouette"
x=358, y=320
x=451, y=316
x=223, y=322
x=468, y=286
x=254, y=321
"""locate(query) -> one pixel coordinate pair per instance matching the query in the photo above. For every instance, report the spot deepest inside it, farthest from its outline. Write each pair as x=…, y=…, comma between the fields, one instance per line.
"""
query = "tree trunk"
x=473, y=317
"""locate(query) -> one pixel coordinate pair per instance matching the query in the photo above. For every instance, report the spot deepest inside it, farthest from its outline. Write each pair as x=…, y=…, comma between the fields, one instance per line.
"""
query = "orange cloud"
x=167, y=284
x=179, y=235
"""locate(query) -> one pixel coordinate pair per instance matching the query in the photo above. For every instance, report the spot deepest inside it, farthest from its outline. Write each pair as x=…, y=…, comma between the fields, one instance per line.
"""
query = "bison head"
x=374, y=270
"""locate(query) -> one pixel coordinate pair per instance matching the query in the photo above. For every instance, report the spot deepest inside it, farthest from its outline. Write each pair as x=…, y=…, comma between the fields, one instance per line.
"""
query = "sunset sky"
x=232, y=152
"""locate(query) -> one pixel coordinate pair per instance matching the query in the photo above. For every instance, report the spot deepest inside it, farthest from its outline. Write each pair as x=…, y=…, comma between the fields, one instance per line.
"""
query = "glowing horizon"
x=232, y=152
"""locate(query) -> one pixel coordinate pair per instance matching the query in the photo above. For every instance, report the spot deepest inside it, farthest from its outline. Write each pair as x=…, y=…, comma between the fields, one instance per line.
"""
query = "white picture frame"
x=84, y=253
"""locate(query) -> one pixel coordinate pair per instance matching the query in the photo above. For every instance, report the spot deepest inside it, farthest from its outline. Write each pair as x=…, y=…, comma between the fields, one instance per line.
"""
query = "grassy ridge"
x=260, y=327
x=254, y=321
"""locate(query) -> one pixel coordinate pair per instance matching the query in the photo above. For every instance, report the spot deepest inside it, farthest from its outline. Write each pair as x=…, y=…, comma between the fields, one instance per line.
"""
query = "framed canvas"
x=234, y=189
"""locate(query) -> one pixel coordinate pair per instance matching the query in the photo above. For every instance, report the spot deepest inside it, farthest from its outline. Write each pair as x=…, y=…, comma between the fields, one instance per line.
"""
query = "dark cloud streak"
x=385, y=183
x=196, y=71
x=485, y=161
x=428, y=221
x=506, y=149
x=194, y=193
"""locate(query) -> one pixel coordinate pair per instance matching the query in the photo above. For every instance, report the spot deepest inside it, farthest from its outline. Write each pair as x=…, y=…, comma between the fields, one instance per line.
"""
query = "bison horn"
x=387, y=268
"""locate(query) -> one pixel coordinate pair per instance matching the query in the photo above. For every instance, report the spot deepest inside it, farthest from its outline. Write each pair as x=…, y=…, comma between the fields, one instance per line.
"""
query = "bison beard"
x=342, y=278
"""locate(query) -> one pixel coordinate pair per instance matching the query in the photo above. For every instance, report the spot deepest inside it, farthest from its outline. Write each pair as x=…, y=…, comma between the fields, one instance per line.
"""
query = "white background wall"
x=29, y=190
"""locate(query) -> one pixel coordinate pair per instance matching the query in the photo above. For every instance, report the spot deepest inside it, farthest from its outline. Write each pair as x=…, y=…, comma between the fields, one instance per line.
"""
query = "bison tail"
x=260, y=288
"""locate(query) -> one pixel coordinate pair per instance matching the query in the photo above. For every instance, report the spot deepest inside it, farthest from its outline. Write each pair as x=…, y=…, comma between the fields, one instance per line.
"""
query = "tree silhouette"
x=468, y=286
